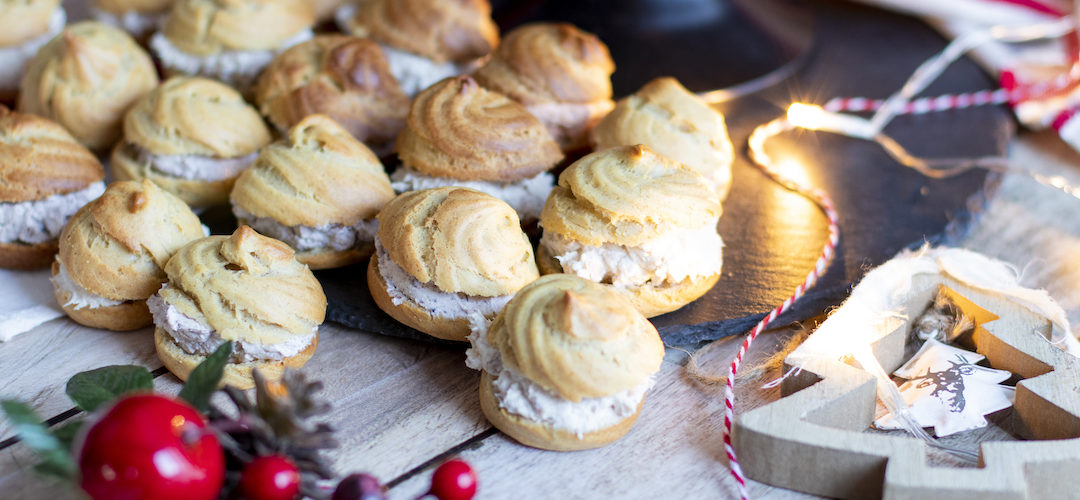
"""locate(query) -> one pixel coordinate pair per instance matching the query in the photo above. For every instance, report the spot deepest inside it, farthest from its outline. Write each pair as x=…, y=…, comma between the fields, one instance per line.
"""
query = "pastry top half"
x=38, y=159
x=140, y=6
x=195, y=116
x=206, y=27
x=549, y=62
x=576, y=338
x=344, y=77
x=317, y=175
x=246, y=287
x=441, y=30
x=23, y=20
x=458, y=129
x=460, y=240
x=673, y=122
x=627, y=195
x=85, y=79
x=117, y=245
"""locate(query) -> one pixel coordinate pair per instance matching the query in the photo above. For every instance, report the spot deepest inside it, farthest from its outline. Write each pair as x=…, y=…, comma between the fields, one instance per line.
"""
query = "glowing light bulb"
x=811, y=117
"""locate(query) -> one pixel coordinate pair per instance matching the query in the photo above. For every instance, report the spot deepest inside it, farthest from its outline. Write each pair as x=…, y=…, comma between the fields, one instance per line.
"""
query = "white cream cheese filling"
x=666, y=260
x=567, y=114
x=37, y=221
x=337, y=237
x=520, y=396
x=79, y=297
x=195, y=167
x=415, y=73
x=236, y=67
x=402, y=287
x=198, y=339
x=134, y=22
x=526, y=196
x=13, y=59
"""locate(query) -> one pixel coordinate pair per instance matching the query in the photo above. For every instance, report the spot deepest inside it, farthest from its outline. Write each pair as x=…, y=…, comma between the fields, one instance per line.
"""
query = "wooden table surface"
x=401, y=406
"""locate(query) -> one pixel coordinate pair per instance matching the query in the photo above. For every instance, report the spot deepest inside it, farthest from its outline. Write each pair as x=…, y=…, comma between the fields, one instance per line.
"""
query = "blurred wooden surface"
x=400, y=406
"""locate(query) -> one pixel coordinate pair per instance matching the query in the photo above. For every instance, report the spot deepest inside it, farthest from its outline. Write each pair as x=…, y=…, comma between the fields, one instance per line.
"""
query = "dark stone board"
x=773, y=236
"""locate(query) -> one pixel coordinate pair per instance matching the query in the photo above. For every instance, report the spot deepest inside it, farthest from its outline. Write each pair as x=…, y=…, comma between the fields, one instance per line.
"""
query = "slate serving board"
x=774, y=236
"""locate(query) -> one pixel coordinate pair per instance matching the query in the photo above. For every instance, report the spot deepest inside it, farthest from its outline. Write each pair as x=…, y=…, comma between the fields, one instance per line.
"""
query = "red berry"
x=272, y=477
x=359, y=487
x=152, y=447
x=454, y=480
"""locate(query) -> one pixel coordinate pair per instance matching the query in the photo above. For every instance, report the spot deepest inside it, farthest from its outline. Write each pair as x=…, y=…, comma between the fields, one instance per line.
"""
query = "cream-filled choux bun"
x=246, y=288
x=191, y=136
x=24, y=28
x=318, y=190
x=86, y=79
x=637, y=221
x=45, y=177
x=565, y=365
x=559, y=73
x=230, y=40
x=344, y=77
x=460, y=134
x=325, y=9
x=444, y=254
x=425, y=40
x=113, y=251
x=675, y=123
x=138, y=17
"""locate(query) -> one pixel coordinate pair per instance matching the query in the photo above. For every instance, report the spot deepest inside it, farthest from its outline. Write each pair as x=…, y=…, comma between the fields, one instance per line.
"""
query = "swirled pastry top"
x=441, y=30
x=460, y=240
x=546, y=62
x=317, y=175
x=23, y=20
x=460, y=130
x=142, y=6
x=195, y=116
x=341, y=76
x=576, y=338
x=38, y=159
x=117, y=245
x=627, y=195
x=673, y=122
x=246, y=287
x=85, y=79
x=205, y=27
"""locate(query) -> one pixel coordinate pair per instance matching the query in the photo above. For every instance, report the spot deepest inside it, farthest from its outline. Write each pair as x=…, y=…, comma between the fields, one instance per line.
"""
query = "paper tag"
x=946, y=390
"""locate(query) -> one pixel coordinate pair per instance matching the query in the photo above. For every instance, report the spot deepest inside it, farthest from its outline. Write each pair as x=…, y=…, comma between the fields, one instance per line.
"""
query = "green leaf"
x=66, y=432
x=55, y=459
x=204, y=379
x=92, y=389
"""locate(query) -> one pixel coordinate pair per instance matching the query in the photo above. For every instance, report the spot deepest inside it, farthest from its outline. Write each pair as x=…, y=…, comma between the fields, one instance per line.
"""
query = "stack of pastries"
x=296, y=133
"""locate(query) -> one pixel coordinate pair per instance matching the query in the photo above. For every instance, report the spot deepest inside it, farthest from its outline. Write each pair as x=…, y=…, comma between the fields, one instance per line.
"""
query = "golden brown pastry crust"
x=126, y=316
x=86, y=79
x=22, y=256
x=576, y=338
x=125, y=166
x=346, y=78
x=41, y=159
x=117, y=245
x=195, y=116
x=649, y=300
x=675, y=123
x=238, y=375
x=544, y=436
x=411, y=314
x=205, y=27
x=22, y=21
x=459, y=130
x=246, y=287
x=559, y=73
x=627, y=195
x=141, y=6
x=329, y=258
x=458, y=239
x=458, y=30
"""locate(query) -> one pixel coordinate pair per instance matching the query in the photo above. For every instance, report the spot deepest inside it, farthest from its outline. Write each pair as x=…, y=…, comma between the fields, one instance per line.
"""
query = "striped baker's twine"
x=824, y=202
